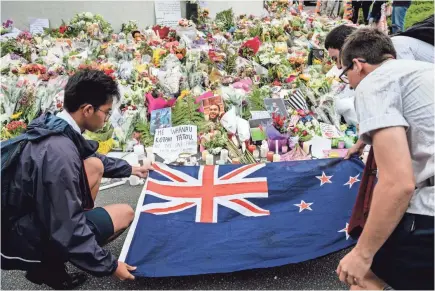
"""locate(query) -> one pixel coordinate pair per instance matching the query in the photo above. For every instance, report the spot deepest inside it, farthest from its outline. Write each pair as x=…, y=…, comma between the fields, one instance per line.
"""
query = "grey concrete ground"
x=314, y=274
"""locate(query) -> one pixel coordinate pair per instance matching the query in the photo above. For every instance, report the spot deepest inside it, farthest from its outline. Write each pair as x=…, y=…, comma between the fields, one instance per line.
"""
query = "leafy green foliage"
x=146, y=138
x=256, y=99
x=225, y=19
x=418, y=11
x=185, y=111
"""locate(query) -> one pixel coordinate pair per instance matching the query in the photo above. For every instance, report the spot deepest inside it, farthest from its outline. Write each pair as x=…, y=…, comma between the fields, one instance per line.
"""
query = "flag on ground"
x=213, y=219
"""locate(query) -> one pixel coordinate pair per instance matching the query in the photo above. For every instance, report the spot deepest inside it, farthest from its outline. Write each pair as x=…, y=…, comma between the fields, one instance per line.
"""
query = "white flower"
x=308, y=124
x=82, y=22
x=275, y=60
x=88, y=23
x=89, y=15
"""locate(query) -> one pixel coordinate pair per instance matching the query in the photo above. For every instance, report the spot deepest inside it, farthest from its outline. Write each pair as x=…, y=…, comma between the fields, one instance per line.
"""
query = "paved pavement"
x=314, y=274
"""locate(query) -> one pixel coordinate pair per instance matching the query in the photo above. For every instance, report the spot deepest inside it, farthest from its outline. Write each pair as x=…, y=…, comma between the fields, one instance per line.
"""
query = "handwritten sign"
x=329, y=131
x=37, y=25
x=170, y=142
x=168, y=12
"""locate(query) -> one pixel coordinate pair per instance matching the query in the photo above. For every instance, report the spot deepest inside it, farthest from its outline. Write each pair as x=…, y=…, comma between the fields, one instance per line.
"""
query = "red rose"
x=304, y=133
x=296, y=129
x=63, y=28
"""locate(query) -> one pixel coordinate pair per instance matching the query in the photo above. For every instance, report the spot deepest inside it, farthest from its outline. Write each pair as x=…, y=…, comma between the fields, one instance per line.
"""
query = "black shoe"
x=56, y=279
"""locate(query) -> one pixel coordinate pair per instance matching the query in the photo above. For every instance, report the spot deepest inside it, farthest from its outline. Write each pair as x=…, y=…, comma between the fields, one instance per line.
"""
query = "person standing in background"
x=365, y=5
x=398, y=16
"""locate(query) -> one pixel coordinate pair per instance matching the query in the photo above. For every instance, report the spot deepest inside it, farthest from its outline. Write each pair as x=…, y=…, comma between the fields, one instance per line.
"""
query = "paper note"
x=260, y=114
x=170, y=142
x=168, y=12
x=37, y=25
x=329, y=131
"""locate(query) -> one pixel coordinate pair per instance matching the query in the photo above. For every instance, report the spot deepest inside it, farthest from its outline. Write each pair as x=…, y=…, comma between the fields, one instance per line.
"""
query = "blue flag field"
x=215, y=219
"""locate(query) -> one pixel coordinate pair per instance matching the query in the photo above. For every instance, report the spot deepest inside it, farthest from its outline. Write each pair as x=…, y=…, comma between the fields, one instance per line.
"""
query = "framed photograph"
x=276, y=105
x=213, y=108
x=160, y=118
x=258, y=128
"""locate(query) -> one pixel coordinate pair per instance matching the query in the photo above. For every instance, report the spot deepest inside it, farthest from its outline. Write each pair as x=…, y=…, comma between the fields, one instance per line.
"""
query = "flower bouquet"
x=6, y=27
x=129, y=26
x=13, y=129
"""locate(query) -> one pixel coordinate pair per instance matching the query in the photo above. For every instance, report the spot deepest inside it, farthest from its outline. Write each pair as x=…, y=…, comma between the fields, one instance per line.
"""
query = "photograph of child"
x=160, y=118
x=213, y=108
x=276, y=105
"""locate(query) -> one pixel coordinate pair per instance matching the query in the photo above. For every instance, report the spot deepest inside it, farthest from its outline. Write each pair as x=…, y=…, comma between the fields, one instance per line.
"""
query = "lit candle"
x=256, y=154
x=204, y=155
x=284, y=149
x=270, y=156
x=209, y=159
x=224, y=155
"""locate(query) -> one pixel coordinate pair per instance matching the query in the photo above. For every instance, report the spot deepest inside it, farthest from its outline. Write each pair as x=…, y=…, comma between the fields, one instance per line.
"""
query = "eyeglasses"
x=107, y=114
x=343, y=75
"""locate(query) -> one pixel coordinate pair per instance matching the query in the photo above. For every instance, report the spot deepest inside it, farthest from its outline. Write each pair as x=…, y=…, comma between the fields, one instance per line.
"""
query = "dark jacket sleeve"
x=113, y=167
x=60, y=211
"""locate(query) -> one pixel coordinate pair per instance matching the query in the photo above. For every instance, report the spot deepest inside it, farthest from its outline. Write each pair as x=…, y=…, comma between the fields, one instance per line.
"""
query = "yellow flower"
x=16, y=115
x=156, y=56
x=184, y=93
x=141, y=68
x=317, y=62
x=104, y=147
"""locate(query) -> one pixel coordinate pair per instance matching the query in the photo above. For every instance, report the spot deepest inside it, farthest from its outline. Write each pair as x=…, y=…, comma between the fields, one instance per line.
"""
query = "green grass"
x=418, y=11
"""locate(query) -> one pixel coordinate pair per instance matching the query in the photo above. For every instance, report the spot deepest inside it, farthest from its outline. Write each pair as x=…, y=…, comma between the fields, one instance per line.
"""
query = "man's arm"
x=114, y=168
x=393, y=191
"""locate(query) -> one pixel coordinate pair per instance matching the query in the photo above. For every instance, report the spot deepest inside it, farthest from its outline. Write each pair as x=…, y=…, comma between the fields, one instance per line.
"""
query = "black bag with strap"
x=423, y=31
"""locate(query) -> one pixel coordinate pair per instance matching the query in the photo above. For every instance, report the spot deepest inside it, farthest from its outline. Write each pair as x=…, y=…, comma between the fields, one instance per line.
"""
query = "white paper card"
x=260, y=114
x=170, y=142
x=168, y=12
x=37, y=25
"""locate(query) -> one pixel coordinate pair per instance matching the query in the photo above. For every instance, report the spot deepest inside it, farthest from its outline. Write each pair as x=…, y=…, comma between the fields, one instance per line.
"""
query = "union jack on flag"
x=212, y=219
x=207, y=192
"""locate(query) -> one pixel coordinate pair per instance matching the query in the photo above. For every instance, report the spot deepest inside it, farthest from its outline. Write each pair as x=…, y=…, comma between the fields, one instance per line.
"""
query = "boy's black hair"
x=89, y=87
x=336, y=37
x=369, y=44
x=134, y=32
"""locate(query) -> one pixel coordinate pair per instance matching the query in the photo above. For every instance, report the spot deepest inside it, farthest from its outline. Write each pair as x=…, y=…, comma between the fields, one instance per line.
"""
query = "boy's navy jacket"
x=44, y=195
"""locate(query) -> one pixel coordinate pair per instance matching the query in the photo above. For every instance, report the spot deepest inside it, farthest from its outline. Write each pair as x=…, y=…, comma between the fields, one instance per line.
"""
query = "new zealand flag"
x=213, y=219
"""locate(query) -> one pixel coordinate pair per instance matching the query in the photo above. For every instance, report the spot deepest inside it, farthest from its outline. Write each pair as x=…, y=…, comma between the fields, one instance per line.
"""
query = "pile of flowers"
x=242, y=59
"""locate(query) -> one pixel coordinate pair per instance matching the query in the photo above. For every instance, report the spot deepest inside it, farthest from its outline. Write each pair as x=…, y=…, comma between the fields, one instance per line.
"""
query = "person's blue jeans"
x=398, y=18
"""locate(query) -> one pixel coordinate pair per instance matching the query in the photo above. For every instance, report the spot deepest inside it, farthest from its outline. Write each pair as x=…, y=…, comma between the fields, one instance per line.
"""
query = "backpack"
x=423, y=31
x=10, y=152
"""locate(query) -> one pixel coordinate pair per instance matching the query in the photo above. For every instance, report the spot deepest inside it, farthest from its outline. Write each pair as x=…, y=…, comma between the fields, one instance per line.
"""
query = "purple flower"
x=8, y=23
x=14, y=56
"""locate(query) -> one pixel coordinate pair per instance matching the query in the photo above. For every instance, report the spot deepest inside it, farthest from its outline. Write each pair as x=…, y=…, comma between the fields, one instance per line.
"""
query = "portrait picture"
x=276, y=105
x=213, y=108
x=160, y=118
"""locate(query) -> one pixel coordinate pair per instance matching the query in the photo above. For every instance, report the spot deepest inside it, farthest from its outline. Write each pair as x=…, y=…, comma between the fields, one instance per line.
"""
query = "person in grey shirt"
x=395, y=109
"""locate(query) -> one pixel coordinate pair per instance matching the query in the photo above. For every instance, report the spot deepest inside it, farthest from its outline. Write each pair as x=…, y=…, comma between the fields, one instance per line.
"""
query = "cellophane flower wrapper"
x=229, y=121
x=234, y=98
x=12, y=89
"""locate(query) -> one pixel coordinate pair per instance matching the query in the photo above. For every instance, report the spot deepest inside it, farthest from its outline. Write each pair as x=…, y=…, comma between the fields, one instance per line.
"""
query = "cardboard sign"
x=170, y=142
x=37, y=25
x=168, y=12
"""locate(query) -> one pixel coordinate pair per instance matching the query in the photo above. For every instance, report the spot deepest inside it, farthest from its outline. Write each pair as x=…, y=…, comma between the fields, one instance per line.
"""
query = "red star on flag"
x=324, y=179
x=303, y=205
x=345, y=230
x=352, y=180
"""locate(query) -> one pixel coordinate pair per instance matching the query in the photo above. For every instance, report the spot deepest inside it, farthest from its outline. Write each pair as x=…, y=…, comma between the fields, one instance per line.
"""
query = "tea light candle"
x=220, y=162
x=224, y=155
x=204, y=155
x=284, y=149
x=276, y=158
x=270, y=156
x=256, y=154
x=209, y=159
